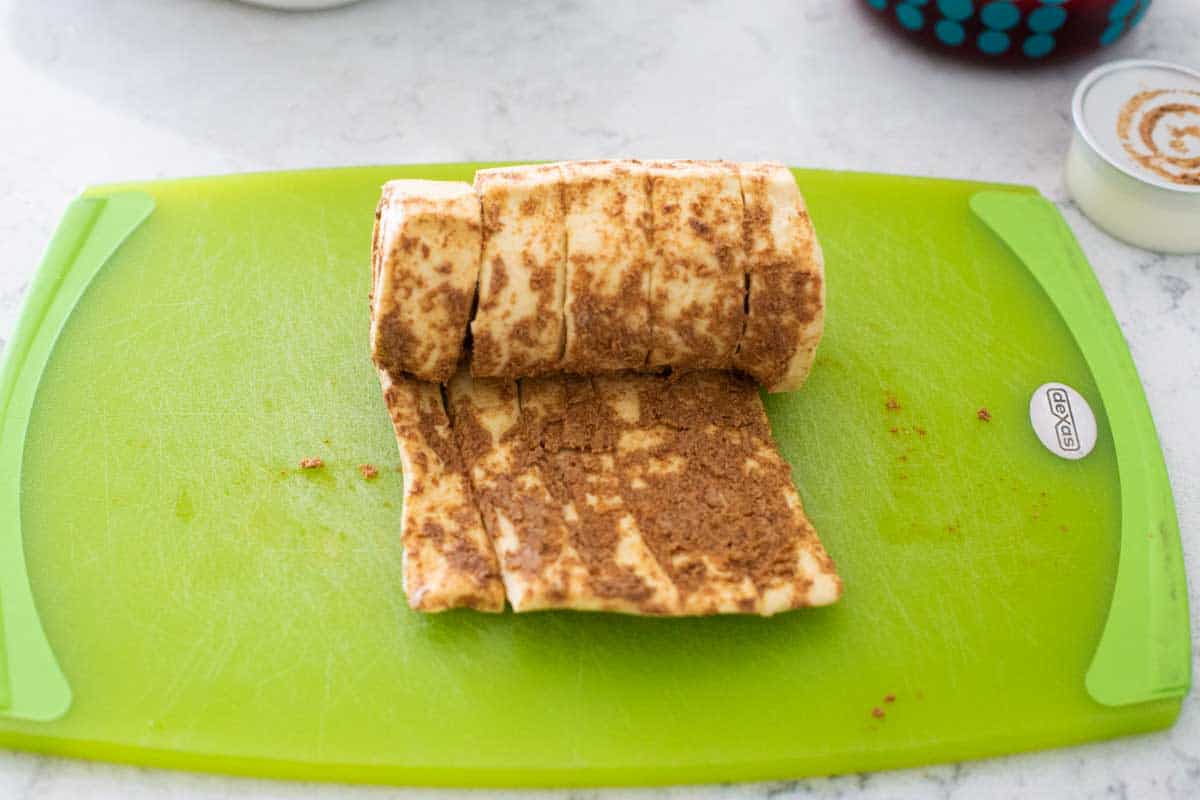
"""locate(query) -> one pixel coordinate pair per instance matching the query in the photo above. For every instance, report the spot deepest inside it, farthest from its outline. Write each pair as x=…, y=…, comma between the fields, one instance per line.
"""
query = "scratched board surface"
x=214, y=607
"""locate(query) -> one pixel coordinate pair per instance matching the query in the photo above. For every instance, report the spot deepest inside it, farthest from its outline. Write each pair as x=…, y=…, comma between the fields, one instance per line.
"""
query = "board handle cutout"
x=32, y=684
x=1144, y=652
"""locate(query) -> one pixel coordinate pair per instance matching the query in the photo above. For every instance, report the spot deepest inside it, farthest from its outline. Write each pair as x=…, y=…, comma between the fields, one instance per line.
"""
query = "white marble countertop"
x=126, y=89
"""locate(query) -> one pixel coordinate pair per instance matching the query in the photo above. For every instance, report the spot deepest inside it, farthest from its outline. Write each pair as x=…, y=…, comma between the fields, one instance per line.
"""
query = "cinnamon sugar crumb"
x=984, y=415
x=368, y=471
x=311, y=463
x=892, y=403
x=877, y=712
x=891, y=698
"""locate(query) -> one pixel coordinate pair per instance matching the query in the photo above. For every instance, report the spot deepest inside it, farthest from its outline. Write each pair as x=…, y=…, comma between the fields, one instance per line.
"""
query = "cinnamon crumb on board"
x=891, y=698
x=369, y=472
x=311, y=463
x=877, y=712
x=984, y=415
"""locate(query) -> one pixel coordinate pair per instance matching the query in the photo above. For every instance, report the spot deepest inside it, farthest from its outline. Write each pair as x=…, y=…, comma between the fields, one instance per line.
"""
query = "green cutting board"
x=212, y=607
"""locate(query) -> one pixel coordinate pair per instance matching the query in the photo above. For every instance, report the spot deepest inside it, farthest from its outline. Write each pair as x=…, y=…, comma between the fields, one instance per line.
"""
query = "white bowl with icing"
x=1134, y=162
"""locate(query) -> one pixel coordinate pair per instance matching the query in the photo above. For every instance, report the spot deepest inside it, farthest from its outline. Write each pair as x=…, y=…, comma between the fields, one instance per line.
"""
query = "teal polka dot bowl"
x=1013, y=30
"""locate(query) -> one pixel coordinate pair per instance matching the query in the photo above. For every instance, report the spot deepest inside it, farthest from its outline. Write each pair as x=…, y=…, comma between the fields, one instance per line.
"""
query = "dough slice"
x=667, y=473
x=527, y=525
x=715, y=501
x=424, y=264
x=607, y=305
x=697, y=283
x=518, y=326
x=786, y=303
x=573, y=435
x=448, y=559
x=802, y=573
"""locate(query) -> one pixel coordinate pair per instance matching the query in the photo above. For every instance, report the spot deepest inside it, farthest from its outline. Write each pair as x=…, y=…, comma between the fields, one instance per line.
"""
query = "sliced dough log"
x=518, y=326
x=697, y=283
x=786, y=278
x=425, y=263
x=448, y=558
x=607, y=305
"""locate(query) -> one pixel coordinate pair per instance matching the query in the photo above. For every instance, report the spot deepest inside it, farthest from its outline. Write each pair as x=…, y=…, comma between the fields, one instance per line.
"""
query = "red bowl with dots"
x=1013, y=30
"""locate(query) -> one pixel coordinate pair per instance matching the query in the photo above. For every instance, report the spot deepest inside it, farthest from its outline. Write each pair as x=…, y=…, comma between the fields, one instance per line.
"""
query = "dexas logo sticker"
x=1062, y=420
x=1064, y=426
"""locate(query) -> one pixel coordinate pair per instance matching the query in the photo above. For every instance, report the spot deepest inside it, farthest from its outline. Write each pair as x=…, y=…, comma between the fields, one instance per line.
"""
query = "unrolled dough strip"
x=518, y=326
x=638, y=493
x=448, y=558
x=697, y=282
x=786, y=301
x=607, y=305
x=425, y=263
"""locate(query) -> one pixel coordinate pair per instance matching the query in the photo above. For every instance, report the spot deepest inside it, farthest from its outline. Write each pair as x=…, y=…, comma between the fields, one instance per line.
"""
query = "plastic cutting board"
x=211, y=607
